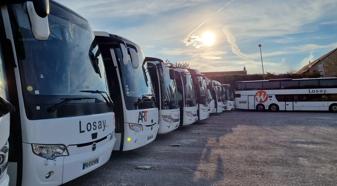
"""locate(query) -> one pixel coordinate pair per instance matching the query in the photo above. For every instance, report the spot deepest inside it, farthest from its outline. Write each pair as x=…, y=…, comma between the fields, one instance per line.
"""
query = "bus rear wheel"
x=333, y=108
x=260, y=107
x=273, y=108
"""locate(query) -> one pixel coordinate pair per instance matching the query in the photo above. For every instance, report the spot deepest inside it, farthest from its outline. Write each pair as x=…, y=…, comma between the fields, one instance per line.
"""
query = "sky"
x=292, y=32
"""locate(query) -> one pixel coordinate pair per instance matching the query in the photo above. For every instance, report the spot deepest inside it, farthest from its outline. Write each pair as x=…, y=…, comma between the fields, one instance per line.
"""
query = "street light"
x=260, y=46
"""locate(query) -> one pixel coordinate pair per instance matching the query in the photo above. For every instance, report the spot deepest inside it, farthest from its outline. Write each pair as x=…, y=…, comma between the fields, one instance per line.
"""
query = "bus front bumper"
x=81, y=160
x=4, y=180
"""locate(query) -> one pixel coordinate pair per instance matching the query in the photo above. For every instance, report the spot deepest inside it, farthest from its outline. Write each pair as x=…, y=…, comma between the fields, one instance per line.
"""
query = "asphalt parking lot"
x=233, y=148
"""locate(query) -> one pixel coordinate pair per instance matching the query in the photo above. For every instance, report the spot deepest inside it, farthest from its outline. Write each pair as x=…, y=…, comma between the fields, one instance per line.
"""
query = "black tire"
x=260, y=108
x=274, y=108
x=333, y=108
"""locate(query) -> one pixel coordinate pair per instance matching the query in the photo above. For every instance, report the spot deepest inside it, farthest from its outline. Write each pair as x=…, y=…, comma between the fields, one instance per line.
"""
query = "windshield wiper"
x=104, y=95
x=56, y=106
x=145, y=100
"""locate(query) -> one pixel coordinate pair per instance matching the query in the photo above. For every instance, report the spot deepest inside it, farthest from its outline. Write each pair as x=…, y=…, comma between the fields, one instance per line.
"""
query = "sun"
x=208, y=38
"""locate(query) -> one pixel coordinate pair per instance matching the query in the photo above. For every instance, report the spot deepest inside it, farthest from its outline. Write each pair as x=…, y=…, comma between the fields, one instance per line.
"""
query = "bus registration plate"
x=150, y=137
x=90, y=163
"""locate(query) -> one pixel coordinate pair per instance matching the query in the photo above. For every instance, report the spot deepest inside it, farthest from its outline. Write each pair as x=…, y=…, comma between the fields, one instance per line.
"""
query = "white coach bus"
x=201, y=91
x=188, y=102
x=166, y=93
x=317, y=94
x=59, y=131
x=130, y=87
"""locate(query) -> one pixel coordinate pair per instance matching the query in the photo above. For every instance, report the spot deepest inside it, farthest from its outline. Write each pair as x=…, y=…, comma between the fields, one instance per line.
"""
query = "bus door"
x=289, y=102
x=251, y=102
x=289, y=105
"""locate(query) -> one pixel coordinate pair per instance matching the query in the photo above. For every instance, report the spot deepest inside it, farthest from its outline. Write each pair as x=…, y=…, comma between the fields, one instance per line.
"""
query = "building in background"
x=325, y=66
x=222, y=75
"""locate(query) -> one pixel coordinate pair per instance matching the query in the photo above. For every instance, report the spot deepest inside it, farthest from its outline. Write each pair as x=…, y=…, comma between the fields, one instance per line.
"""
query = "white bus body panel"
x=212, y=109
x=248, y=100
x=4, y=180
x=203, y=112
x=71, y=132
x=169, y=120
x=150, y=126
x=4, y=135
x=190, y=115
x=229, y=105
x=220, y=107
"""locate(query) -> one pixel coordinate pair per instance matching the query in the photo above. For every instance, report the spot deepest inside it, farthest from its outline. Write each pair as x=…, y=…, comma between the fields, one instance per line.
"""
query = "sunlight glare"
x=208, y=38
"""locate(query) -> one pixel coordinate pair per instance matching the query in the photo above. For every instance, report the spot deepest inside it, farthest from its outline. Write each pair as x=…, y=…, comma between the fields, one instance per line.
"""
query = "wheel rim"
x=273, y=108
x=334, y=108
x=260, y=108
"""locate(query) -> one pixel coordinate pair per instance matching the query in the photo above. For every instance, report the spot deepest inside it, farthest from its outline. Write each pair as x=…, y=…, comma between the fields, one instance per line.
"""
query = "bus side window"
x=329, y=83
x=280, y=98
x=324, y=97
x=332, y=97
x=296, y=98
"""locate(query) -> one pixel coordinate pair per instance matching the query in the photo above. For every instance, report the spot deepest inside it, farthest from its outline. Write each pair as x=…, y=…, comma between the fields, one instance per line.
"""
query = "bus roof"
x=287, y=79
x=115, y=37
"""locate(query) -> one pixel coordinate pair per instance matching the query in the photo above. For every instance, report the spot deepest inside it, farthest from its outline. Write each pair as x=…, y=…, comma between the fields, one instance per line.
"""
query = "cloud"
x=307, y=60
x=127, y=8
x=290, y=28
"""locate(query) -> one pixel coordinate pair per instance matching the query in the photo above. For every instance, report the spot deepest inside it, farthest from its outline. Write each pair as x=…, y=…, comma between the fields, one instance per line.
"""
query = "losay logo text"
x=142, y=117
x=92, y=126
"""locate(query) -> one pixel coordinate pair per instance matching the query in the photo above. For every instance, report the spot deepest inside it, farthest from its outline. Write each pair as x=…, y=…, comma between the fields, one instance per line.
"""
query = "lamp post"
x=260, y=46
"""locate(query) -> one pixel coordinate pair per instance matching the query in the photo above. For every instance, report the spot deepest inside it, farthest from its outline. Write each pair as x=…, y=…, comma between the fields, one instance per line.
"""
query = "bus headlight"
x=3, y=158
x=136, y=127
x=50, y=152
x=167, y=118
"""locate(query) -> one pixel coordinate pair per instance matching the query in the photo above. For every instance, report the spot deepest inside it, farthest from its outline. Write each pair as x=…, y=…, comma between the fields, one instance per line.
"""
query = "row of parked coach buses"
x=69, y=96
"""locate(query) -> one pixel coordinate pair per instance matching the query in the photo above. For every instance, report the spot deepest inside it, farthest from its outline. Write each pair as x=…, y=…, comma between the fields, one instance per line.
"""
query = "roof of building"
x=225, y=73
x=310, y=65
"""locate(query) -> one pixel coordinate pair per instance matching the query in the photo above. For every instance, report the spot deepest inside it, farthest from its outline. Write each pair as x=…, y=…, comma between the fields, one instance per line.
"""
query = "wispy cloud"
x=170, y=29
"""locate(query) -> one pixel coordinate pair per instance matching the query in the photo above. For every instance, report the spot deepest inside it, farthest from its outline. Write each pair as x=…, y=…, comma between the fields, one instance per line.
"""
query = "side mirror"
x=126, y=56
x=94, y=53
x=5, y=107
x=42, y=7
x=135, y=58
x=38, y=11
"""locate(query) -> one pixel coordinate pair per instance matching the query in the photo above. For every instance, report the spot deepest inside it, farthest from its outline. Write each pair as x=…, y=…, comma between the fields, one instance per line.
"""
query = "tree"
x=182, y=65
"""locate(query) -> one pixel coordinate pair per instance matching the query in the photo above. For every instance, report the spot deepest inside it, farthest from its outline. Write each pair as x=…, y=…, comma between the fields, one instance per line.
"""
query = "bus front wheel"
x=333, y=108
x=273, y=108
x=260, y=107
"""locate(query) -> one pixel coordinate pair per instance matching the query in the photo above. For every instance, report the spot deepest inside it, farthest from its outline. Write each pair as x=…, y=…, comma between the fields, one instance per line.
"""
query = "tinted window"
x=309, y=83
x=293, y=84
x=271, y=85
x=254, y=85
x=240, y=86
x=329, y=83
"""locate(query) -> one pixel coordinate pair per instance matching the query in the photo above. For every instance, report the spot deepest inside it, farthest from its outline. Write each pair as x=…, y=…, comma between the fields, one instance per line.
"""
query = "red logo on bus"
x=261, y=96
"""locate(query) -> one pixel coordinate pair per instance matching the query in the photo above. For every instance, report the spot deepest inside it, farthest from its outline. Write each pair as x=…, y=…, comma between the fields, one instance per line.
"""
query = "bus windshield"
x=169, y=90
x=59, y=67
x=189, y=94
x=136, y=82
x=203, y=89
